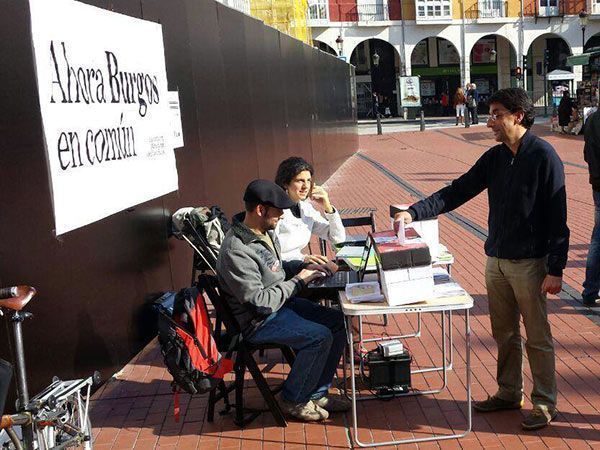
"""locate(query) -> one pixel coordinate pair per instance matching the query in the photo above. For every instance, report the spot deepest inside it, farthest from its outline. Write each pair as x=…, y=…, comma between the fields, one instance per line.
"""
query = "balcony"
x=321, y=13
x=318, y=14
x=240, y=5
x=488, y=10
x=433, y=11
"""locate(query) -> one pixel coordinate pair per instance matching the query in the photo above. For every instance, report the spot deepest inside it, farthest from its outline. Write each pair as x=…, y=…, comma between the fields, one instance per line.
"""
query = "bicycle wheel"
x=71, y=426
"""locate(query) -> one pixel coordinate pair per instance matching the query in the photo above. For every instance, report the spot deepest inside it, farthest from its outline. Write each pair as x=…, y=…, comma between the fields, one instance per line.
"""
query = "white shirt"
x=294, y=233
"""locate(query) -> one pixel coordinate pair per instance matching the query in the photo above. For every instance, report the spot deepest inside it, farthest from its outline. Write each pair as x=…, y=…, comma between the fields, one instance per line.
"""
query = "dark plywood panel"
x=249, y=98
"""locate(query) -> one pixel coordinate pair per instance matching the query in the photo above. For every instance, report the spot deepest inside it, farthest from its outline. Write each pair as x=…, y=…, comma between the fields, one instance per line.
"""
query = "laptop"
x=341, y=278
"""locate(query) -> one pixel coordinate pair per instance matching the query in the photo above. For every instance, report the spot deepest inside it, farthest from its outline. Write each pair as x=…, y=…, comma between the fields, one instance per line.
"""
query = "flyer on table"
x=104, y=104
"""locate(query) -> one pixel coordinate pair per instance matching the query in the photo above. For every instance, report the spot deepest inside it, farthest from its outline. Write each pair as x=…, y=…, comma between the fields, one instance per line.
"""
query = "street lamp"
x=583, y=19
x=375, y=59
x=339, y=42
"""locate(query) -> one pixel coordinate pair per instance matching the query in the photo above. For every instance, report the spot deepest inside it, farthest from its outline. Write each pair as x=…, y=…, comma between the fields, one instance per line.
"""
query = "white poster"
x=176, y=127
x=104, y=105
x=410, y=93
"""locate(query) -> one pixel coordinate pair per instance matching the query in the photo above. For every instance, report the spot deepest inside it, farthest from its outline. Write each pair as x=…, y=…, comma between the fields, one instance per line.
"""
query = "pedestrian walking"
x=591, y=153
x=565, y=108
x=445, y=102
x=459, y=105
x=527, y=246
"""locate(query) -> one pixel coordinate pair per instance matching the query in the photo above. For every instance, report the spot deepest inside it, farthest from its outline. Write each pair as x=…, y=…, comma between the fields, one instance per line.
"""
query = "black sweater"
x=527, y=197
x=591, y=150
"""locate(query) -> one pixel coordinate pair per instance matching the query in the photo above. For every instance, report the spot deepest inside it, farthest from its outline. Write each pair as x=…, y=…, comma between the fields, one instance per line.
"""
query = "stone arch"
x=437, y=61
x=592, y=42
x=324, y=47
x=377, y=64
x=527, y=48
x=491, y=60
x=559, y=48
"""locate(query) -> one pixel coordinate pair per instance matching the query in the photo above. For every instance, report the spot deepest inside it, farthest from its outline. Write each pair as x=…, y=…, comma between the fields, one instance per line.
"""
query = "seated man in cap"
x=261, y=290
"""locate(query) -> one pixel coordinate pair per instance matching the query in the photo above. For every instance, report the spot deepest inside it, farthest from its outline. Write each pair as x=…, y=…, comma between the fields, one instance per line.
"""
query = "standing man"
x=261, y=291
x=472, y=102
x=591, y=153
x=526, y=247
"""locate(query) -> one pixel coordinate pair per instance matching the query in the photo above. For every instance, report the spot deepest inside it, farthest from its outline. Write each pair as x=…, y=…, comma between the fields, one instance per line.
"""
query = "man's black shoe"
x=590, y=301
x=540, y=417
x=494, y=403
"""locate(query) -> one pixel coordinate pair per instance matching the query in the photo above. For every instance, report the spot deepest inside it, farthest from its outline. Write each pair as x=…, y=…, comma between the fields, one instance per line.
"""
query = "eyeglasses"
x=494, y=117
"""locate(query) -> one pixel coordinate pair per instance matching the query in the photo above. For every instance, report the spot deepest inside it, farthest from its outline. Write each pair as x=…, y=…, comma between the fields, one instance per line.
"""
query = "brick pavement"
x=134, y=410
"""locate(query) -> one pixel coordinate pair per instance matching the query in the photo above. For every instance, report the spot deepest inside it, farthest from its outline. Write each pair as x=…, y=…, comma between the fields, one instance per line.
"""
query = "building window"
x=548, y=8
x=434, y=9
x=595, y=6
x=318, y=10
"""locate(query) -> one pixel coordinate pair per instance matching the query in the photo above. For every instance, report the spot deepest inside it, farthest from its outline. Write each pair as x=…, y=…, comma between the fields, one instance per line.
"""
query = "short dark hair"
x=250, y=206
x=291, y=167
x=515, y=99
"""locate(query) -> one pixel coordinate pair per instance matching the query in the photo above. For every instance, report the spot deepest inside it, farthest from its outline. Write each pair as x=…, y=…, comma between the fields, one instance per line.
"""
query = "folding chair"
x=352, y=222
x=244, y=360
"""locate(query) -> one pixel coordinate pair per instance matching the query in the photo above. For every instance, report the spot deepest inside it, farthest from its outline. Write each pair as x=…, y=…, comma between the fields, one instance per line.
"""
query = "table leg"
x=354, y=398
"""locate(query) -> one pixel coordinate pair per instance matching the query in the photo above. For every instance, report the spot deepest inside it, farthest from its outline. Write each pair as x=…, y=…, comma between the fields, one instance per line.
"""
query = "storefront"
x=587, y=89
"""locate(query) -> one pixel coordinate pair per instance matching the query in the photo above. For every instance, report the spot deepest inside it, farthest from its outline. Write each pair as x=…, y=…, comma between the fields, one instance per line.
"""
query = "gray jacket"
x=252, y=278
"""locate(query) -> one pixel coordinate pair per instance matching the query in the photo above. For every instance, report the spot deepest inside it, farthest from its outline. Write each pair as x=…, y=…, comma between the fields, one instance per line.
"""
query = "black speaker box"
x=389, y=373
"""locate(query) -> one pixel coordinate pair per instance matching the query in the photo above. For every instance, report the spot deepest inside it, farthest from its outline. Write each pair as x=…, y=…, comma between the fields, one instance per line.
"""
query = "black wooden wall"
x=250, y=97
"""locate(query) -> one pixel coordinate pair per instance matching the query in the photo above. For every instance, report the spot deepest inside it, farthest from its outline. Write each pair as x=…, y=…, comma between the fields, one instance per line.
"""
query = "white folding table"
x=441, y=305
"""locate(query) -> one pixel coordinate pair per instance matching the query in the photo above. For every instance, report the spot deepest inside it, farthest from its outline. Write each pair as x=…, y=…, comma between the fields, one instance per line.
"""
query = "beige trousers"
x=514, y=289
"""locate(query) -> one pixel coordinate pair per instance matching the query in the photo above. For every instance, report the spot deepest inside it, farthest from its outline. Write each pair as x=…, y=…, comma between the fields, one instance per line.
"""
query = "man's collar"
x=241, y=230
x=244, y=232
x=526, y=139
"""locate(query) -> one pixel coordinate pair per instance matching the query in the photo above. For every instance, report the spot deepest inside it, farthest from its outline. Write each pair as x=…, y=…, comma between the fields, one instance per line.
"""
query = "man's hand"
x=316, y=259
x=402, y=215
x=321, y=196
x=308, y=275
x=551, y=284
x=328, y=268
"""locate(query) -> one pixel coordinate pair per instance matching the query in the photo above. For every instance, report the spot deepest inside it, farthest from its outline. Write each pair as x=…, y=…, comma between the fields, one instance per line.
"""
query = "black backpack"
x=187, y=344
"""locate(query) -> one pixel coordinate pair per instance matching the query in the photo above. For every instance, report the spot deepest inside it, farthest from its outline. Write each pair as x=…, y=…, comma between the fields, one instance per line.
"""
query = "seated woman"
x=299, y=223
x=575, y=124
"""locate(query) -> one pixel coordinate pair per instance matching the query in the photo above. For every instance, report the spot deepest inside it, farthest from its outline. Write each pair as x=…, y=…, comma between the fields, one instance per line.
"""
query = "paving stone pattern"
x=135, y=409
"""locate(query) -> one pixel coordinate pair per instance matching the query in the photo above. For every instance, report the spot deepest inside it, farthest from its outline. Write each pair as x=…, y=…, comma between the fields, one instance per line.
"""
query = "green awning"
x=579, y=60
x=584, y=58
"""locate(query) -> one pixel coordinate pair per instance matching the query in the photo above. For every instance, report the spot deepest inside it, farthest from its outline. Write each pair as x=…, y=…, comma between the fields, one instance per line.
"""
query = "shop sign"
x=105, y=110
x=410, y=93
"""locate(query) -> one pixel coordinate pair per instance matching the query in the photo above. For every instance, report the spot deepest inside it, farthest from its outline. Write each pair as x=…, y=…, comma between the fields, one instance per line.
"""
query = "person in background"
x=472, y=103
x=575, y=123
x=591, y=153
x=445, y=102
x=565, y=108
x=459, y=105
x=302, y=221
x=527, y=245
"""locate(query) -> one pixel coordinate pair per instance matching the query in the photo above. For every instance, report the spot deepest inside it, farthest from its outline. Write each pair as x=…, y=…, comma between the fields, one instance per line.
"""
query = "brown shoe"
x=494, y=403
x=308, y=412
x=334, y=403
x=540, y=416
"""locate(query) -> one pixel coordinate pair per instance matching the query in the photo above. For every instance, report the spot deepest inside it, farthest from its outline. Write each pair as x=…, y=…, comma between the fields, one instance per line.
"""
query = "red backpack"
x=187, y=344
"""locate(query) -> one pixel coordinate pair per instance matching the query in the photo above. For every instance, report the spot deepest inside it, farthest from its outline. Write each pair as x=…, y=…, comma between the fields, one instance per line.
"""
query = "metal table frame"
x=464, y=302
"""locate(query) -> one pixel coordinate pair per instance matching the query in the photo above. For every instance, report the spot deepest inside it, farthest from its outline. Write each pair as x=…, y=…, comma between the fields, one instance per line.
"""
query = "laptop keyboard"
x=338, y=279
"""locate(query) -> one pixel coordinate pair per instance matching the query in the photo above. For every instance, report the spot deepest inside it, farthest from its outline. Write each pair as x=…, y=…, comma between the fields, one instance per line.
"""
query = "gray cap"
x=266, y=192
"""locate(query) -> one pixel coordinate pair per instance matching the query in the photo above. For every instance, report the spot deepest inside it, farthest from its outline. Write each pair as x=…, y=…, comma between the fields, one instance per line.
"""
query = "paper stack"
x=404, y=269
x=367, y=291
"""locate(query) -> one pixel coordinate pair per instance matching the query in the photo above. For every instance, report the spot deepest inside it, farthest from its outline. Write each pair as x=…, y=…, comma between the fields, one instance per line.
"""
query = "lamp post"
x=583, y=18
x=339, y=42
x=376, y=59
